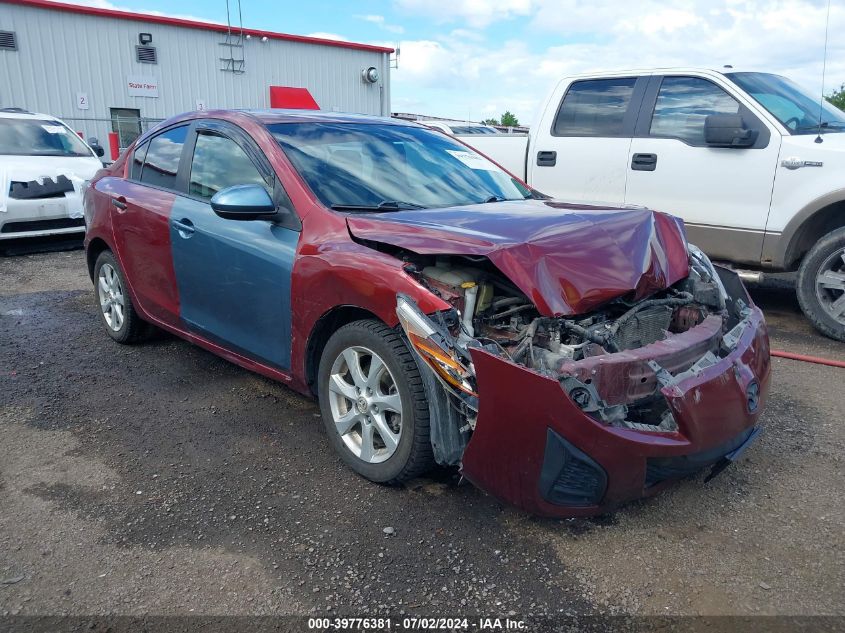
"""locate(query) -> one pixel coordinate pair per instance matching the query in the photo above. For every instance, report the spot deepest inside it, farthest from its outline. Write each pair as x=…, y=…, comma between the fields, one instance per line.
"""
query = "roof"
x=191, y=24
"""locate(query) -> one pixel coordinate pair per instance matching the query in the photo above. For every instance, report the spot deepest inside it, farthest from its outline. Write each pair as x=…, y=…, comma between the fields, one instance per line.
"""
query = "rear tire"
x=116, y=309
x=821, y=285
x=373, y=403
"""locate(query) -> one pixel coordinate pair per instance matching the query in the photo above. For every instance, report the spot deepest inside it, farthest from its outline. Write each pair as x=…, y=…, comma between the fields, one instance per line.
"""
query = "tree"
x=491, y=122
x=837, y=97
x=509, y=119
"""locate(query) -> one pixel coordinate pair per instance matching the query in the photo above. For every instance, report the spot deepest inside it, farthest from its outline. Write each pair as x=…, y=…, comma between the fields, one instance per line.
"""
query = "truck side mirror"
x=728, y=130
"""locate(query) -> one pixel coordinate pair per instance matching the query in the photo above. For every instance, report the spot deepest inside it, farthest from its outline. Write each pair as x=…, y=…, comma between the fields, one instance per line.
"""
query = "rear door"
x=234, y=277
x=581, y=151
x=141, y=206
x=723, y=194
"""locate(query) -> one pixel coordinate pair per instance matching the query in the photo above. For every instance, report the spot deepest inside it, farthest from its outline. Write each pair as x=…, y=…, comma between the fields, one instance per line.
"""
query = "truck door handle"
x=644, y=162
x=546, y=159
x=119, y=202
x=184, y=227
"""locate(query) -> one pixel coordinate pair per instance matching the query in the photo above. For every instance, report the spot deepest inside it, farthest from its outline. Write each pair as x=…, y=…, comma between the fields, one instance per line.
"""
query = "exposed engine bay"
x=612, y=362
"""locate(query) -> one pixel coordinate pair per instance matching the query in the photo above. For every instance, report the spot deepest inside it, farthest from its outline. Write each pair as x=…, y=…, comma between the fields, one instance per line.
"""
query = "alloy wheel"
x=830, y=285
x=365, y=404
x=110, y=293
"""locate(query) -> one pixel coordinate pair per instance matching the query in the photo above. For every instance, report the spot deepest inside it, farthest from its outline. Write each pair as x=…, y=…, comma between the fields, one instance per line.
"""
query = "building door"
x=127, y=123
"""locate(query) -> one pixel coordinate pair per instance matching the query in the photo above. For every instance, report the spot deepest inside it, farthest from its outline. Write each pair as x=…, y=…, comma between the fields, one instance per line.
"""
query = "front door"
x=584, y=158
x=722, y=194
x=234, y=277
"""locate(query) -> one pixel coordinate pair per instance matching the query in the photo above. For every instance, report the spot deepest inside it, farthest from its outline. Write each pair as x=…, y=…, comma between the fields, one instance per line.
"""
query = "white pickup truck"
x=753, y=164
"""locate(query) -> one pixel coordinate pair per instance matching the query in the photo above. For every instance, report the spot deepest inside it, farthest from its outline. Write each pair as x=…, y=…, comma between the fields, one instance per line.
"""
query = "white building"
x=103, y=70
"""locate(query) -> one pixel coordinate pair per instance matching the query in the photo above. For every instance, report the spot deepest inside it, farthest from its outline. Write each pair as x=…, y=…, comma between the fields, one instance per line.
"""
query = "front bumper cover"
x=535, y=448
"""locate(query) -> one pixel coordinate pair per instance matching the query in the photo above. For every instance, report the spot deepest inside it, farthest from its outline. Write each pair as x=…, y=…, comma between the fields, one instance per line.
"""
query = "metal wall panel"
x=61, y=54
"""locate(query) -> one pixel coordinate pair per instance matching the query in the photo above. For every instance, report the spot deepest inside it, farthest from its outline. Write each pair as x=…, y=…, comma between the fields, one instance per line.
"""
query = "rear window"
x=39, y=137
x=163, y=155
x=594, y=108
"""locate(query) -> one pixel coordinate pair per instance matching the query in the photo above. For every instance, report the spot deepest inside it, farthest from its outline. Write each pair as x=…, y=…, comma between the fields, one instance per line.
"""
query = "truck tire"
x=821, y=285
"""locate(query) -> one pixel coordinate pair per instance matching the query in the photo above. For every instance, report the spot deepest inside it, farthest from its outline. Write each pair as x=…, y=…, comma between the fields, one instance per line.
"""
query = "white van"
x=44, y=167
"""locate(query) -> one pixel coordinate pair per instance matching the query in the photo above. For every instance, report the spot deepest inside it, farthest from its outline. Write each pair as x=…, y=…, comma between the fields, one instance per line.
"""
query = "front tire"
x=116, y=309
x=373, y=403
x=821, y=285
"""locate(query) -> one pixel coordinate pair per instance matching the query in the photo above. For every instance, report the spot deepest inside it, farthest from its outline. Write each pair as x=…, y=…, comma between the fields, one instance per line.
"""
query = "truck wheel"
x=373, y=403
x=821, y=285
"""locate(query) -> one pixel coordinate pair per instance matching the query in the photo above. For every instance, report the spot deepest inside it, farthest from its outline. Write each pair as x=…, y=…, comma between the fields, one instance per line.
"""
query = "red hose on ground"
x=808, y=359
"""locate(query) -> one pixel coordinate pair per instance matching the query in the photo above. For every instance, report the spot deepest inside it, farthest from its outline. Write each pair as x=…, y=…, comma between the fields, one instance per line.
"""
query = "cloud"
x=104, y=4
x=476, y=13
x=379, y=21
x=328, y=36
x=452, y=76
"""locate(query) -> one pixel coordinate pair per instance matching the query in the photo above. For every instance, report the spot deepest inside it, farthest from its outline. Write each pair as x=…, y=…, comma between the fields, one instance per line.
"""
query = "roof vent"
x=8, y=41
x=146, y=55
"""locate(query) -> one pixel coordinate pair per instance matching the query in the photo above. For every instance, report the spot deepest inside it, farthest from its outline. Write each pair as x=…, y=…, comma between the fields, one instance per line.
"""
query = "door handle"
x=644, y=162
x=184, y=227
x=546, y=159
x=119, y=202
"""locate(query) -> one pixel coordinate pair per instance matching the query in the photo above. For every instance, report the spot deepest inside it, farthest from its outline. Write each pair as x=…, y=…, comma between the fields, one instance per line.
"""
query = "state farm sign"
x=142, y=86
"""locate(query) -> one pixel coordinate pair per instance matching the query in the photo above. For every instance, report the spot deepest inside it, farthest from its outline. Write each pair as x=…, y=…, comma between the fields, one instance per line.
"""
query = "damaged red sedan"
x=566, y=358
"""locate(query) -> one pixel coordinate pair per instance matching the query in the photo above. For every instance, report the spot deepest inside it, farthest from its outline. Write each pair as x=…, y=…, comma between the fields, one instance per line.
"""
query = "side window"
x=137, y=161
x=594, y=108
x=162, y=160
x=218, y=163
x=682, y=105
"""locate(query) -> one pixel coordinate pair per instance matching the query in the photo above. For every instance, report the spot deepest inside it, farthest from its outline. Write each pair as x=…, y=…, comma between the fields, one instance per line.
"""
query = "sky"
x=474, y=59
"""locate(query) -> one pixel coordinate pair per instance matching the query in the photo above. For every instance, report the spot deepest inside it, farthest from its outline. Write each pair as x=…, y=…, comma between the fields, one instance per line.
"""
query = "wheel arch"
x=813, y=222
x=95, y=248
x=322, y=331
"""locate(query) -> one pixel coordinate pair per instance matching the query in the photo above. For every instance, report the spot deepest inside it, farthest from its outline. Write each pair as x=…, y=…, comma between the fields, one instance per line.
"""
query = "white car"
x=753, y=163
x=44, y=168
x=459, y=127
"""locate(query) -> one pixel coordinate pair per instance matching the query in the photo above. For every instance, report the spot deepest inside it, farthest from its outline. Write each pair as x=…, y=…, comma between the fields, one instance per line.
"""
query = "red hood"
x=567, y=259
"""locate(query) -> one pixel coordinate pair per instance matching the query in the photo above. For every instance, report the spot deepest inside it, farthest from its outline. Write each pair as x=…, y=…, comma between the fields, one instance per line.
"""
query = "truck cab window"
x=594, y=108
x=682, y=105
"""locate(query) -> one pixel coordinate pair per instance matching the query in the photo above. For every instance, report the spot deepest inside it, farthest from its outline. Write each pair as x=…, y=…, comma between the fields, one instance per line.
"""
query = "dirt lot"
x=161, y=479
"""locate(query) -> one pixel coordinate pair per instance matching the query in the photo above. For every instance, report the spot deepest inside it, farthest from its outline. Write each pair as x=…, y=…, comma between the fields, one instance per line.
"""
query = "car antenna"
x=824, y=68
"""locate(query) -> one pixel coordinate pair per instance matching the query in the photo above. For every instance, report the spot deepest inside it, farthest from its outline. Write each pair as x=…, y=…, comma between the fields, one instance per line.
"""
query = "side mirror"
x=94, y=142
x=243, y=202
x=728, y=130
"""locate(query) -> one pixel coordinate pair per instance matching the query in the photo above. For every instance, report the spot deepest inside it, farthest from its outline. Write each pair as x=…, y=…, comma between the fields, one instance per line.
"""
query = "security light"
x=145, y=38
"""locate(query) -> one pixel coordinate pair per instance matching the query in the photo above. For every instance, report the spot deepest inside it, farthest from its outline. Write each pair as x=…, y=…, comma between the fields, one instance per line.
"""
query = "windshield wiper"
x=383, y=206
x=494, y=199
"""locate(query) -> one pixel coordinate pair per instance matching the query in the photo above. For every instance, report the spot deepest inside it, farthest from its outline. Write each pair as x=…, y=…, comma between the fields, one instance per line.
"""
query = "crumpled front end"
x=574, y=416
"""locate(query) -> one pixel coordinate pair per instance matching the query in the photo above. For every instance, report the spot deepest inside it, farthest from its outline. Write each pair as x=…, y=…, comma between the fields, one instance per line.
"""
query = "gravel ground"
x=161, y=479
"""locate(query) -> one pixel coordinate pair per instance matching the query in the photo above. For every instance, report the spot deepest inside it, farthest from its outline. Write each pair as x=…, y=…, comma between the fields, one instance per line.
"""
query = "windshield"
x=35, y=137
x=386, y=167
x=790, y=104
